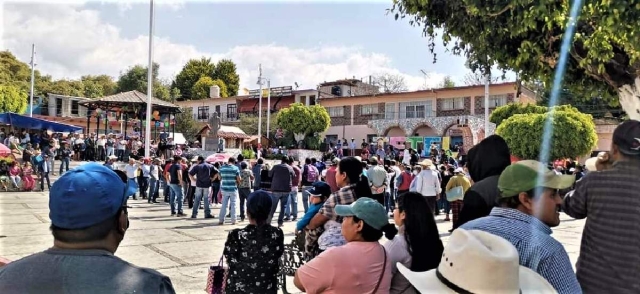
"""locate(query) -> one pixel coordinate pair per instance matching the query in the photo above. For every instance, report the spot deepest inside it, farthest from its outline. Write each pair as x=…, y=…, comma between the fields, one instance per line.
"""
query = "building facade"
x=454, y=114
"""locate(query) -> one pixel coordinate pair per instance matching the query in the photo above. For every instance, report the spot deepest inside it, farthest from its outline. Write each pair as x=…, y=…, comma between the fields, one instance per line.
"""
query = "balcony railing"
x=224, y=116
x=408, y=114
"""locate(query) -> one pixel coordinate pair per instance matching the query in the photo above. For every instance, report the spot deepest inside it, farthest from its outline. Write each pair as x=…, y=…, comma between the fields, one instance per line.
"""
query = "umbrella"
x=223, y=157
x=4, y=150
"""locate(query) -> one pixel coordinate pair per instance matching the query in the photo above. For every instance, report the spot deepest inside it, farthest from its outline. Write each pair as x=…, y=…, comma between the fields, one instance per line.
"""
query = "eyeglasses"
x=123, y=177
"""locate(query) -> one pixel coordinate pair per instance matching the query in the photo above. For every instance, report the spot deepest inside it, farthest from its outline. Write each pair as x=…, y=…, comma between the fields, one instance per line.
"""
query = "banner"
x=427, y=145
x=398, y=142
x=446, y=142
x=414, y=142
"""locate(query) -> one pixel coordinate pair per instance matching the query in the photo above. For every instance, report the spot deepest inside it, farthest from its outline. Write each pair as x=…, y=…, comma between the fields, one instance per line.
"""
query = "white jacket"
x=428, y=183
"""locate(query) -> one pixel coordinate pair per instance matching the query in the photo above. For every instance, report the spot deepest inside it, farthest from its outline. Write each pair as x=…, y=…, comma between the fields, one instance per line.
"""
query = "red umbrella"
x=223, y=157
x=4, y=150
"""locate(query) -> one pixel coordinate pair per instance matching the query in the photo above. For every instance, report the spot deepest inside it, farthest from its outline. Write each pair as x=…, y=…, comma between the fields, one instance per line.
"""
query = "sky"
x=304, y=42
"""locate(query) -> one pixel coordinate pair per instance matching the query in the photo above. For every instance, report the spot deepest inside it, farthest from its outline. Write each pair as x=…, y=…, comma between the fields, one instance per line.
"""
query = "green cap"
x=366, y=209
x=523, y=176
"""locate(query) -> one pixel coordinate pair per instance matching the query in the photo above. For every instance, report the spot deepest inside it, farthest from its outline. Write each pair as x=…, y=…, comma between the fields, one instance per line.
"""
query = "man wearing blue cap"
x=87, y=208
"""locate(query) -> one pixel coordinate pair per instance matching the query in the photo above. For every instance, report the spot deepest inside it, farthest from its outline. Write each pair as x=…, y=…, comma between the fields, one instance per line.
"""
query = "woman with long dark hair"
x=353, y=185
x=417, y=245
x=253, y=252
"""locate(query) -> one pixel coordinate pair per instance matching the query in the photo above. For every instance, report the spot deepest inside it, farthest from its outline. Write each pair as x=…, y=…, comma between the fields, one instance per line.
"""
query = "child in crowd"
x=317, y=196
x=27, y=177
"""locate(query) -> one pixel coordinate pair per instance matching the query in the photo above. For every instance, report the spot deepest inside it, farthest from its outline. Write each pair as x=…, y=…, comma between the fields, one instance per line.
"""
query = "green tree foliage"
x=573, y=133
x=135, y=78
x=525, y=36
x=14, y=72
x=504, y=112
x=13, y=99
x=226, y=71
x=300, y=119
x=447, y=82
x=202, y=88
x=249, y=124
x=186, y=124
x=98, y=86
x=192, y=71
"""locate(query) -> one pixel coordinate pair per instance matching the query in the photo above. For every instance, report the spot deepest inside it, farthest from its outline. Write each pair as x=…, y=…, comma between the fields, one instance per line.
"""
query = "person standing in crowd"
x=122, y=147
x=457, y=180
x=352, y=147
x=101, y=150
x=44, y=168
x=365, y=221
x=85, y=240
x=529, y=208
x=445, y=176
x=281, y=176
x=166, y=189
x=131, y=169
x=253, y=252
x=174, y=175
x=230, y=179
x=154, y=179
x=377, y=177
x=201, y=173
x=65, y=157
x=608, y=199
x=143, y=179
x=404, y=180
x=485, y=163
x=417, y=231
x=27, y=177
x=406, y=156
x=109, y=145
x=330, y=177
x=292, y=202
x=428, y=184
x=352, y=185
x=191, y=181
x=256, y=172
x=310, y=175
x=244, y=188
x=215, y=183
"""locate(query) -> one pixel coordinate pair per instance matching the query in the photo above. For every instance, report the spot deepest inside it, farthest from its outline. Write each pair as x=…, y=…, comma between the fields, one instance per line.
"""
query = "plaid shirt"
x=537, y=249
x=344, y=196
x=609, y=251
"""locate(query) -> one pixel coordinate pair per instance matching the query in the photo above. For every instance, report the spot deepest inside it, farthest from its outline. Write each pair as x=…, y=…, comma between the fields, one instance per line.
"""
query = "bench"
x=292, y=258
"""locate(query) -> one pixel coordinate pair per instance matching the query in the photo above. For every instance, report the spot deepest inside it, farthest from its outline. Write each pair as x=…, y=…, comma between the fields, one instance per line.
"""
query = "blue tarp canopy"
x=21, y=121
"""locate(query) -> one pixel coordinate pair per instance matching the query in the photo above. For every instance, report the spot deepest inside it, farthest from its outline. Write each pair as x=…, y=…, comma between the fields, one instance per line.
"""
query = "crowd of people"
x=502, y=219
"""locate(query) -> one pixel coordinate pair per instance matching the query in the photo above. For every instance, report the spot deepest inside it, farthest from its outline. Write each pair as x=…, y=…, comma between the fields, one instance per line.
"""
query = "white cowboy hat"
x=590, y=164
x=113, y=157
x=466, y=262
x=459, y=170
x=426, y=162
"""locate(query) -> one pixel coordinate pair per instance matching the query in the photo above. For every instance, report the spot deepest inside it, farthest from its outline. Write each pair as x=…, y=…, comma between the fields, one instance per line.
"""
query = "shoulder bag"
x=217, y=277
x=384, y=268
x=456, y=193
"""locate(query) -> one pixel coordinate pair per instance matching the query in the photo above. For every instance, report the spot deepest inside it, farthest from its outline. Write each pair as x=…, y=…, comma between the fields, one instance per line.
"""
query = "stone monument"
x=211, y=141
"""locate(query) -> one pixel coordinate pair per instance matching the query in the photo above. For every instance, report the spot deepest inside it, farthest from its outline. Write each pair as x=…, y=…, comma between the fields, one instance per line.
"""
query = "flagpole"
x=33, y=65
x=147, y=133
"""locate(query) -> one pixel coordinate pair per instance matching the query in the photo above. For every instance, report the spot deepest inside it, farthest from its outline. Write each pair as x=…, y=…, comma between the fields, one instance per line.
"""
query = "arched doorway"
x=459, y=135
x=424, y=131
x=394, y=132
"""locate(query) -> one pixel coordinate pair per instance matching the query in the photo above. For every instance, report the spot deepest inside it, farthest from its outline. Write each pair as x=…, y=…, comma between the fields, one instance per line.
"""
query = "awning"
x=21, y=121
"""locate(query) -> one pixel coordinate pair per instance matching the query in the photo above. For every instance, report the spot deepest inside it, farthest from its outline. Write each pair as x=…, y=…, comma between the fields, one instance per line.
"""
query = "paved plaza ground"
x=180, y=248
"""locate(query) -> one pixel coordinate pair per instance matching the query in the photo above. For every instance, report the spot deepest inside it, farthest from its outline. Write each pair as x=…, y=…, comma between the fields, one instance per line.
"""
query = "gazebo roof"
x=129, y=99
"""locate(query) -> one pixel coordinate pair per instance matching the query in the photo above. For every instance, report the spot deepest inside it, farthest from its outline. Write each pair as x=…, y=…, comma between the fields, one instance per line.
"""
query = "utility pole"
x=268, y=107
x=147, y=131
x=260, y=106
x=486, y=104
x=33, y=65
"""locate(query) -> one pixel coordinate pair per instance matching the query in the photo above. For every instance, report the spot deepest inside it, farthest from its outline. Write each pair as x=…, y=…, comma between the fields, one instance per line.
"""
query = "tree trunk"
x=630, y=99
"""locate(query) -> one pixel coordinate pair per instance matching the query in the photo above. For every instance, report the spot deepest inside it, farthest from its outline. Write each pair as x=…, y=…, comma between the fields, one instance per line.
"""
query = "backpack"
x=312, y=173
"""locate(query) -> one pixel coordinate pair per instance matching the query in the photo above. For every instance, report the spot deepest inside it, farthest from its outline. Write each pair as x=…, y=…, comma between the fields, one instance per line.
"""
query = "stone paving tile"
x=20, y=219
x=145, y=257
x=152, y=236
x=25, y=229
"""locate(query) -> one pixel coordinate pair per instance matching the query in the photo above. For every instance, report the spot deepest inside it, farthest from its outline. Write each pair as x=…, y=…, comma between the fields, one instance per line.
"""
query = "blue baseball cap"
x=320, y=188
x=87, y=195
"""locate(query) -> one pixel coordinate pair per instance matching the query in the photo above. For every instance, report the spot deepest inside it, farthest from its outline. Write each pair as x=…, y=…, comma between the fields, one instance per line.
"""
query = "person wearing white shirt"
x=131, y=169
x=352, y=147
x=122, y=146
x=101, y=151
x=428, y=184
x=406, y=157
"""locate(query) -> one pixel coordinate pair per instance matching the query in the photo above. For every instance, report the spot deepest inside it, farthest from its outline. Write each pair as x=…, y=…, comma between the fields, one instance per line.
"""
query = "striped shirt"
x=228, y=175
x=609, y=251
x=537, y=249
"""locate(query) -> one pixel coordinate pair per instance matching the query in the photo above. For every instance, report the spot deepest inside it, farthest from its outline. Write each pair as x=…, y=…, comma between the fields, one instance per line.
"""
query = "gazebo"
x=129, y=106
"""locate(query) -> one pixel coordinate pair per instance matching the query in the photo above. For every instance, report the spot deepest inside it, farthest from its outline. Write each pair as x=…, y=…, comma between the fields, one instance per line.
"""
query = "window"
x=331, y=139
x=218, y=109
x=452, y=103
x=203, y=112
x=389, y=111
x=497, y=100
x=370, y=138
x=75, y=107
x=303, y=100
x=232, y=112
x=337, y=111
x=58, y=107
x=369, y=109
x=312, y=100
x=420, y=109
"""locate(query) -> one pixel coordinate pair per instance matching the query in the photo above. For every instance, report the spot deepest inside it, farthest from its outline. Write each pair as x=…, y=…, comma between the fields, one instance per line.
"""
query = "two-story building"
x=454, y=114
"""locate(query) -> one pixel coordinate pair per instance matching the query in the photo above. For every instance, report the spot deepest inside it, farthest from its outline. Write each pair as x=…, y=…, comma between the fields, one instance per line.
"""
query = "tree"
x=13, y=99
x=226, y=71
x=447, y=82
x=192, y=71
x=526, y=37
x=573, y=134
x=203, y=86
x=502, y=113
x=135, y=78
x=476, y=78
x=307, y=120
x=98, y=86
x=390, y=83
x=249, y=124
x=186, y=124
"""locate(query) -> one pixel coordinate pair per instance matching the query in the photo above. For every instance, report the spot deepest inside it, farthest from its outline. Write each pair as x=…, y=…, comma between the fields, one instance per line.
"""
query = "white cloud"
x=77, y=42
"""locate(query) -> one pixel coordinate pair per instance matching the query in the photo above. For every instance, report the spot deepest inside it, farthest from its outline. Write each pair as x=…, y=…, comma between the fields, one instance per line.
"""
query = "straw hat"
x=467, y=259
x=426, y=162
x=590, y=164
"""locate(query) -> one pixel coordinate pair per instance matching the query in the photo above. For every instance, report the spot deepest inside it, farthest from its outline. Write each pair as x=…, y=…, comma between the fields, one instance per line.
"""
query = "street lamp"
x=426, y=75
